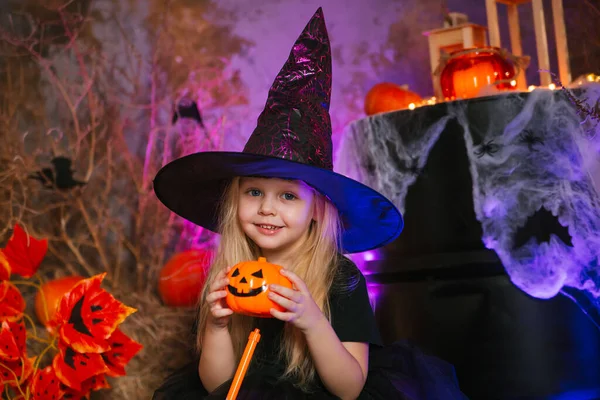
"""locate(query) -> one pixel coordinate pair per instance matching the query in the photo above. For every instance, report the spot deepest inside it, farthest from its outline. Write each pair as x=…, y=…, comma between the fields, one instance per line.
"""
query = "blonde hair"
x=316, y=264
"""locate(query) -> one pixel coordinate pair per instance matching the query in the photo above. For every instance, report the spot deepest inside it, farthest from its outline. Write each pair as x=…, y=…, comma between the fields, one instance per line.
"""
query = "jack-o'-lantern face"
x=248, y=287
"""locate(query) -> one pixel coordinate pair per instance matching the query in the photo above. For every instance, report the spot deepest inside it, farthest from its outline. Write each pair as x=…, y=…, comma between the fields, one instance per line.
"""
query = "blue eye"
x=254, y=192
x=289, y=196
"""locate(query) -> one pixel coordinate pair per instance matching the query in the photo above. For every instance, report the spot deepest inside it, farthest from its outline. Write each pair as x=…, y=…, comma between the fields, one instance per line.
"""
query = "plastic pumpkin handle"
x=253, y=340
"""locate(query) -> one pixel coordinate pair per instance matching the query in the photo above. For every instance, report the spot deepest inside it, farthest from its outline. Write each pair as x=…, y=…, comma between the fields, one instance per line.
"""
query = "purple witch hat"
x=292, y=140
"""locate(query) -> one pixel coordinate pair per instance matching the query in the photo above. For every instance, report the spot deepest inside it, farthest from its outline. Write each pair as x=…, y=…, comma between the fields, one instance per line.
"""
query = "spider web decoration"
x=370, y=145
x=533, y=160
x=539, y=166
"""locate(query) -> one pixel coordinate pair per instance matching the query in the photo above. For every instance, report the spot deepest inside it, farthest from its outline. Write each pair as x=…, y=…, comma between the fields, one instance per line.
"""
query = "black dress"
x=397, y=371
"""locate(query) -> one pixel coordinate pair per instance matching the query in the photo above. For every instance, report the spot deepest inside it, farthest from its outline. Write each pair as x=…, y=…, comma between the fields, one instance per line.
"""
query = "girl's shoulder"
x=347, y=277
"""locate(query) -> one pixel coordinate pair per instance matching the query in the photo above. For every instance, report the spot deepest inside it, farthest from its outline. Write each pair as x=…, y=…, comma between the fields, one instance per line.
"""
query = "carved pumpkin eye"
x=258, y=274
x=236, y=272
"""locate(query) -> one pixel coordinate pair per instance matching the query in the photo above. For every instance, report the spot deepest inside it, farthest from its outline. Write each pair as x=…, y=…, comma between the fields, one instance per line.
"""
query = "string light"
x=587, y=78
x=433, y=100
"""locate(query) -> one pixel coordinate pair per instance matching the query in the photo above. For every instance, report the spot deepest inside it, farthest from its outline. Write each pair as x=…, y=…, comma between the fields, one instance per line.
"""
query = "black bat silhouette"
x=187, y=108
x=541, y=225
x=60, y=177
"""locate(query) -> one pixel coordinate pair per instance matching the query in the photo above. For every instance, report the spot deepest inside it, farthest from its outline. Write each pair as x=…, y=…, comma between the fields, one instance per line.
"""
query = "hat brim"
x=192, y=187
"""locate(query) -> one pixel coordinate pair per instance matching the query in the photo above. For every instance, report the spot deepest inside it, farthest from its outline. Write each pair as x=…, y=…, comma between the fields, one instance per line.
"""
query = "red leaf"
x=96, y=383
x=4, y=267
x=88, y=315
x=122, y=350
x=70, y=394
x=12, y=372
x=92, y=384
x=24, y=253
x=45, y=385
x=13, y=339
x=8, y=346
x=12, y=304
x=73, y=368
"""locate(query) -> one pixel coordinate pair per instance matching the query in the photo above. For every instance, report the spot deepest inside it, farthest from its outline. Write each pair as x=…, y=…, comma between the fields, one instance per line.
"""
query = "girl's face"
x=275, y=214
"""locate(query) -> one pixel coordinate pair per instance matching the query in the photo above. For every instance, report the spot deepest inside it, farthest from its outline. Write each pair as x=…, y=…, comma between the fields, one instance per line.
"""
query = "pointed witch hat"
x=292, y=140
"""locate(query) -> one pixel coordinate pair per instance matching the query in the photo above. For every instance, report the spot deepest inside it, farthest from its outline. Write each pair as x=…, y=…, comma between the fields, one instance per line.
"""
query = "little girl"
x=280, y=199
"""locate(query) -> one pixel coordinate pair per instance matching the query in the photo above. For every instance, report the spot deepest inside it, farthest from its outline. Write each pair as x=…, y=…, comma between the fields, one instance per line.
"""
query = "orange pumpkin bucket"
x=248, y=289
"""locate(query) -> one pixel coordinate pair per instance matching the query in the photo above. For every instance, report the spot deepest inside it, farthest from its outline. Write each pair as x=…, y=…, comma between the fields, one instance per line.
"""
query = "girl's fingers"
x=221, y=280
x=282, y=316
x=291, y=294
x=219, y=284
x=214, y=296
x=222, y=312
x=223, y=273
x=295, y=279
x=283, y=302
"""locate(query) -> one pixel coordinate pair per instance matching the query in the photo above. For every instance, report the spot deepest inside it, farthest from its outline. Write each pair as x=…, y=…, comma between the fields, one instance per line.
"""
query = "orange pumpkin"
x=385, y=97
x=182, y=278
x=468, y=72
x=52, y=291
x=248, y=287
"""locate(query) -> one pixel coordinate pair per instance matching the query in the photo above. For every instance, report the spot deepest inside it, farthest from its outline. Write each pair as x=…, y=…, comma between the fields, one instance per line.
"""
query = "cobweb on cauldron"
x=393, y=160
x=535, y=166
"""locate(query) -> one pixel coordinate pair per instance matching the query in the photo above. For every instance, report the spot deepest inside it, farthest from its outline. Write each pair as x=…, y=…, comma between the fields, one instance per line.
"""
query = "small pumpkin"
x=52, y=291
x=386, y=97
x=183, y=276
x=247, y=292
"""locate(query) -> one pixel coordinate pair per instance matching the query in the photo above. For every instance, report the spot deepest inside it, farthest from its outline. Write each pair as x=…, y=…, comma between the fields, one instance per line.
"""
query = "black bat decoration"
x=541, y=225
x=187, y=108
x=60, y=176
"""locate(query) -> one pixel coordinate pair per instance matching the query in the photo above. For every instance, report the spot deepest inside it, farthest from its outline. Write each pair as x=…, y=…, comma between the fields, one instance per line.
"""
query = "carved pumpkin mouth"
x=250, y=293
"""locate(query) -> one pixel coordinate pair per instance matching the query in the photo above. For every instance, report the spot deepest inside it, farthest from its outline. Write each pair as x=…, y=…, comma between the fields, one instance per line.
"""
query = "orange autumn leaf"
x=73, y=368
x=12, y=304
x=88, y=315
x=24, y=253
x=45, y=385
x=122, y=350
x=4, y=267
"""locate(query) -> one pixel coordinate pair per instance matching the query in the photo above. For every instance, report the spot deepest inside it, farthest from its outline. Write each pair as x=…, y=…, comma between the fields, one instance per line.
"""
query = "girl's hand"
x=220, y=314
x=302, y=311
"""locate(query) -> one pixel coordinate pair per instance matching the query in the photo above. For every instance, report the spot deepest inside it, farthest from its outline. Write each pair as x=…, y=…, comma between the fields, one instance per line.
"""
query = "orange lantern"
x=182, y=278
x=385, y=97
x=469, y=71
x=52, y=292
x=247, y=292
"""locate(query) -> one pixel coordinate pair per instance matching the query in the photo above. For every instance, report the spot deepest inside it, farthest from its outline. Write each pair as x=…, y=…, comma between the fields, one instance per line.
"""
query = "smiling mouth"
x=541, y=225
x=269, y=227
x=251, y=293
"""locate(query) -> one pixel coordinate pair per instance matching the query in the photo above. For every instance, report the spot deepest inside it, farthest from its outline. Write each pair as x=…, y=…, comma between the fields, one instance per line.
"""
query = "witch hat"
x=292, y=140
